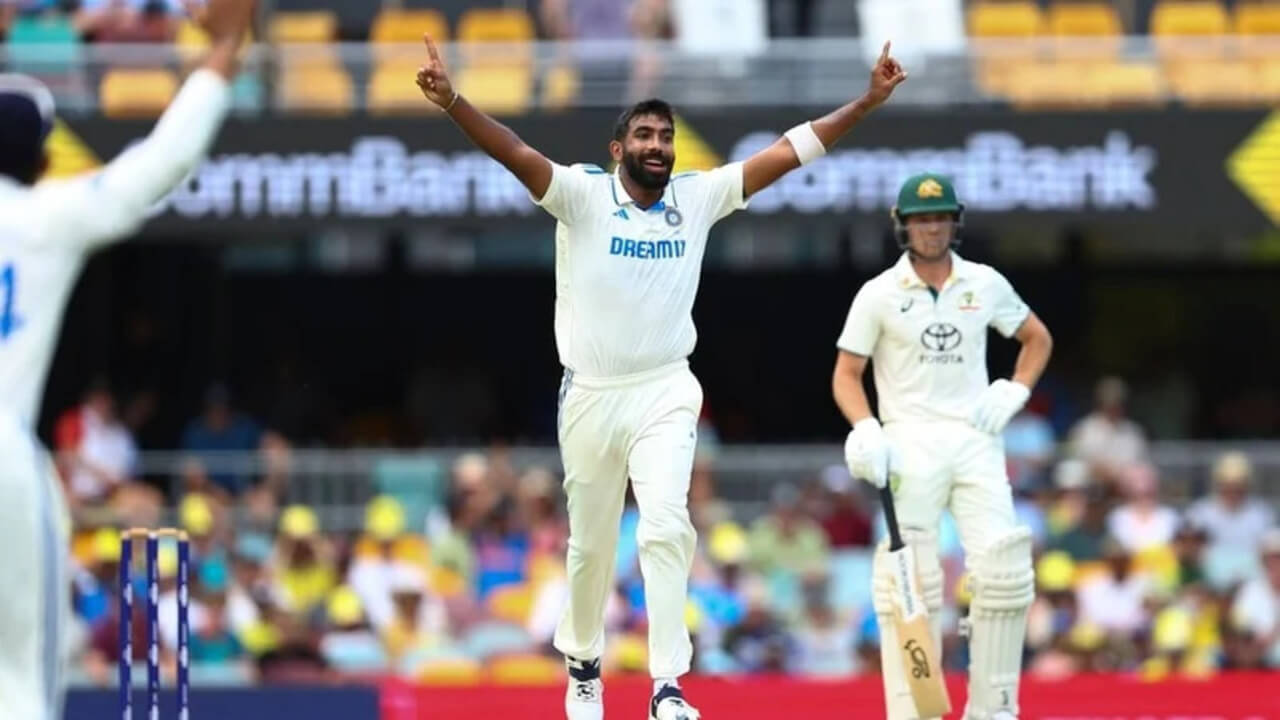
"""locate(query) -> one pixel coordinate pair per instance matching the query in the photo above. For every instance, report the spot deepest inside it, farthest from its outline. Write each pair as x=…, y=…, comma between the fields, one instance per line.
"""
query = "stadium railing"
x=1099, y=72
x=338, y=483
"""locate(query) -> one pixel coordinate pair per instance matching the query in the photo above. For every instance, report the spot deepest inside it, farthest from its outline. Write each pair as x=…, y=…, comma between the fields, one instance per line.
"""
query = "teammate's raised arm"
x=115, y=201
x=809, y=141
x=502, y=144
x=226, y=22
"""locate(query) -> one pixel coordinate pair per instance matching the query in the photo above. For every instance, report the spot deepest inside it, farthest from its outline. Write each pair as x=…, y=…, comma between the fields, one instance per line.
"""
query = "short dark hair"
x=21, y=138
x=652, y=106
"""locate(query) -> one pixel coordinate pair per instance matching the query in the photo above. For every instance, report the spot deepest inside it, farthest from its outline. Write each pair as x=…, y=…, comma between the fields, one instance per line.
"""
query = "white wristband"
x=806, y=143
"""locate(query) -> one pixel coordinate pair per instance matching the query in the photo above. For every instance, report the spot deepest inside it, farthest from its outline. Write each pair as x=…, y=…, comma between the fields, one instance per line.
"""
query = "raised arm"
x=811, y=140
x=497, y=140
x=116, y=200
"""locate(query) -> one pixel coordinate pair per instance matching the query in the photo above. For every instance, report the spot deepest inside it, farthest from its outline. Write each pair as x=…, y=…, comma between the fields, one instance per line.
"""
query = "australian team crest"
x=673, y=217
x=929, y=188
x=969, y=302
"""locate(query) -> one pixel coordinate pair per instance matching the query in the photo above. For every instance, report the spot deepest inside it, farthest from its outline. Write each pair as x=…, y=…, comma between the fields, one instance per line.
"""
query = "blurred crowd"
x=464, y=578
x=159, y=20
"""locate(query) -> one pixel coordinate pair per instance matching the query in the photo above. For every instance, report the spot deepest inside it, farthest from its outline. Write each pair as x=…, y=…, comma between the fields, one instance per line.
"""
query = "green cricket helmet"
x=926, y=193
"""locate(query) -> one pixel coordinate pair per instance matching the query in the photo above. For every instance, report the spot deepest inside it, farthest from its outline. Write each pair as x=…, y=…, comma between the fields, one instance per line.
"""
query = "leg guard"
x=1003, y=586
x=924, y=544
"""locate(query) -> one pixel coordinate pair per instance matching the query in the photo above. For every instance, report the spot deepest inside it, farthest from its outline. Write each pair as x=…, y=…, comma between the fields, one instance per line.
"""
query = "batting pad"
x=1003, y=586
x=924, y=544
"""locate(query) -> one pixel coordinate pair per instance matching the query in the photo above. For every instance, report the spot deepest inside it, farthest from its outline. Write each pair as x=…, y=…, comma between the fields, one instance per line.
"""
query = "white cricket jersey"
x=626, y=277
x=46, y=232
x=930, y=354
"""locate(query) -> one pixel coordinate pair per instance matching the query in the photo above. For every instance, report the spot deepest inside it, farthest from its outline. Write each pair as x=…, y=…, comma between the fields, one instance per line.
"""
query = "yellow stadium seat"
x=316, y=26
x=498, y=40
x=501, y=89
x=1130, y=83
x=315, y=89
x=1007, y=22
x=511, y=603
x=1082, y=19
x=1258, y=26
x=1085, y=29
x=1215, y=82
x=137, y=92
x=408, y=26
x=1254, y=18
x=451, y=671
x=1189, y=29
x=1269, y=80
x=1189, y=17
x=392, y=90
x=526, y=670
x=1005, y=19
x=1052, y=85
x=492, y=25
x=992, y=75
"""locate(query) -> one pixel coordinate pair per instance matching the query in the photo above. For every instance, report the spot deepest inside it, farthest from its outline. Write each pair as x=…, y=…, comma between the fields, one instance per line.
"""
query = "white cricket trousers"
x=944, y=465
x=35, y=600
x=952, y=465
x=640, y=427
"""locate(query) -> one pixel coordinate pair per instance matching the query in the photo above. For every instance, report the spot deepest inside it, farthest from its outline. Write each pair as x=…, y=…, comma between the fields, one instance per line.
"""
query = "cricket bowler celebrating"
x=629, y=248
x=924, y=324
x=46, y=232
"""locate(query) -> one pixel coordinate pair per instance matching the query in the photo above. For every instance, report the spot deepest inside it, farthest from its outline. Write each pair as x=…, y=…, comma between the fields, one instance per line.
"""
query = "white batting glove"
x=866, y=451
x=998, y=404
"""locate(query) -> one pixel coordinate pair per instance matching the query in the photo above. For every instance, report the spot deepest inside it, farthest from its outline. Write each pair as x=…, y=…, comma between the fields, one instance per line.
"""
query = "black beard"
x=644, y=177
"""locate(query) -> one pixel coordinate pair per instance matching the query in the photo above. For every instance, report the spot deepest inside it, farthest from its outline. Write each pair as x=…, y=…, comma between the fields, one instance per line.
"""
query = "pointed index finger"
x=431, y=47
x=884, y=54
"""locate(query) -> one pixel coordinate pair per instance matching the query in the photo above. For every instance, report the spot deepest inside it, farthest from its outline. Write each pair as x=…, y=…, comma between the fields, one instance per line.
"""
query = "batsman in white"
x=629, y=248
x=923, y=323
x=46, y=231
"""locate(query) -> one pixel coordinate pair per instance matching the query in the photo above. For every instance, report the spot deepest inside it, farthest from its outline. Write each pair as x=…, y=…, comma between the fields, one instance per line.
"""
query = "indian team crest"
x=673, y=217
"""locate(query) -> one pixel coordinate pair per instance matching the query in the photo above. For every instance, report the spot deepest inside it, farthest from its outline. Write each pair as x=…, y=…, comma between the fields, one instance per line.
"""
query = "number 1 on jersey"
x=9, y=320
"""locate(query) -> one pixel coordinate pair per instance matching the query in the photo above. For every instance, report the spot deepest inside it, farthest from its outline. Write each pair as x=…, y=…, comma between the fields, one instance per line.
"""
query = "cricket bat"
x=922, y=664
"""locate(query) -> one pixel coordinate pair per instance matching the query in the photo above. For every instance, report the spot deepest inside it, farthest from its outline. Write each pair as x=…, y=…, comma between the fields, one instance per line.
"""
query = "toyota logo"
x=940, y=337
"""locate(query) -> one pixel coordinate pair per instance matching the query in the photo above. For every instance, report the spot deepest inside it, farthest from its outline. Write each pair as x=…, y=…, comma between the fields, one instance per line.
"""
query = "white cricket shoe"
x=669, y=704
x=584, y=698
